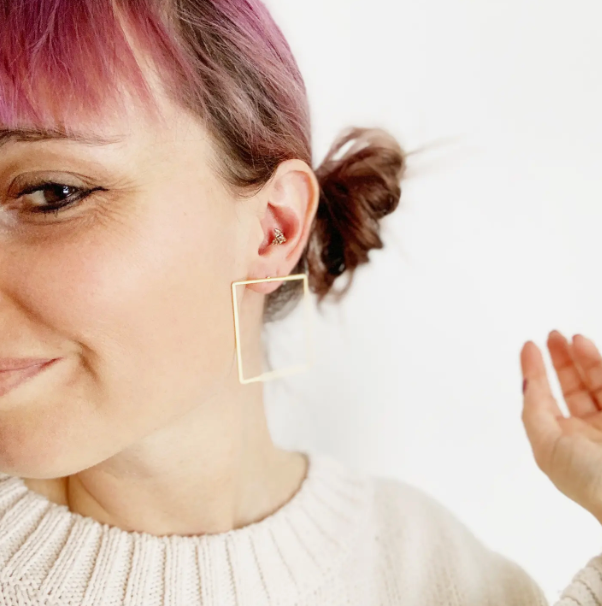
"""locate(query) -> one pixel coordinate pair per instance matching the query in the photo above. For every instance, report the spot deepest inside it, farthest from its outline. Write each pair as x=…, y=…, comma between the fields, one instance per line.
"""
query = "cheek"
x=142, y=312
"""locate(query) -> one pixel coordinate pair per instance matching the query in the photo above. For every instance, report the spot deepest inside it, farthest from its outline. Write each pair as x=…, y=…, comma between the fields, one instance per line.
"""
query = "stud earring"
x=278, y=237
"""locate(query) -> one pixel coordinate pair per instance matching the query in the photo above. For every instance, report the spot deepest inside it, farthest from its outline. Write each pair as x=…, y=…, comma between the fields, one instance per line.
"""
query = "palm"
x=567, y=449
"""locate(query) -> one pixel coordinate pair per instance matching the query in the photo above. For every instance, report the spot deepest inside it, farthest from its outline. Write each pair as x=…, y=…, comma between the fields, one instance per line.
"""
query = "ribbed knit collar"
x=58, y=558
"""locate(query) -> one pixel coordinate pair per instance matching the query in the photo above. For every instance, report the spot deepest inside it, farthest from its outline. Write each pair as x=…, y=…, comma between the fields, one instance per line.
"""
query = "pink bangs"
x=66, y=62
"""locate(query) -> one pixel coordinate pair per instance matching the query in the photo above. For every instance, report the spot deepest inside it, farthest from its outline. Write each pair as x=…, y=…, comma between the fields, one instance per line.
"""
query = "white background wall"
x=497, y=241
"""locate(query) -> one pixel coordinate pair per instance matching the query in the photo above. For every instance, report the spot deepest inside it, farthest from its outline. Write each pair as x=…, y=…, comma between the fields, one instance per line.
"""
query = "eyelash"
x=80, y=195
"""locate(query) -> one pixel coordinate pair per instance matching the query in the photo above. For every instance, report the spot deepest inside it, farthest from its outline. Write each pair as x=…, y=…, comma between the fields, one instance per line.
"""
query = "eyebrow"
x=47, y=134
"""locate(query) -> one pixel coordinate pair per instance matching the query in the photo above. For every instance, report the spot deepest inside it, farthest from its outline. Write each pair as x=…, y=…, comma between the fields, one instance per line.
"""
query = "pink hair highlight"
x=62, y=62
x=65, y=63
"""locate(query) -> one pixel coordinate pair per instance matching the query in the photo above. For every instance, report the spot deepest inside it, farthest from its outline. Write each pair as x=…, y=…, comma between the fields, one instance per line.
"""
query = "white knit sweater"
x=346, y=538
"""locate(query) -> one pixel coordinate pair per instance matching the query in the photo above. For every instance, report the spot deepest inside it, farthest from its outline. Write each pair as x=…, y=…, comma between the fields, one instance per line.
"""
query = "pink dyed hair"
x=64, y=63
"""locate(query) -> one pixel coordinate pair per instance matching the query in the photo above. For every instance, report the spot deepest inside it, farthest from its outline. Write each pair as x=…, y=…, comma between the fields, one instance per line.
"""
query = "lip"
x=10, y=379
x=20, y=363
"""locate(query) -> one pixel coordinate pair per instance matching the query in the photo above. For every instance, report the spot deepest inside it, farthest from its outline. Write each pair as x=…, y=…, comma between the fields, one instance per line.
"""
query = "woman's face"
x=131, y=287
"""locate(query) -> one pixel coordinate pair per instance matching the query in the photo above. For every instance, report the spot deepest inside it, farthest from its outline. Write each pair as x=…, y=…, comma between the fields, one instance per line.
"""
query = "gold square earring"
x=267, y=376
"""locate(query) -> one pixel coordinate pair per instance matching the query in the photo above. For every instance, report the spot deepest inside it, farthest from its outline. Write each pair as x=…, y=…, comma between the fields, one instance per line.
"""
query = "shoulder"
x=419, y=515
x=431, y=545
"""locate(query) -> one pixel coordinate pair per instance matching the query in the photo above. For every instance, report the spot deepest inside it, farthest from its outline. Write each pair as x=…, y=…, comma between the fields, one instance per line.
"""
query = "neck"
x=211, y=470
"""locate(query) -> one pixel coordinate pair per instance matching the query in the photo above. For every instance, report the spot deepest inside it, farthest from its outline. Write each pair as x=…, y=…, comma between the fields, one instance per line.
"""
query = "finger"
x=540, y=413
x=588, y=358
x=576, y=393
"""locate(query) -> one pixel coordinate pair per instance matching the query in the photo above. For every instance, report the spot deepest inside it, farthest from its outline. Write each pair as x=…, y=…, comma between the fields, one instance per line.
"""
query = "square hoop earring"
x=267, y=376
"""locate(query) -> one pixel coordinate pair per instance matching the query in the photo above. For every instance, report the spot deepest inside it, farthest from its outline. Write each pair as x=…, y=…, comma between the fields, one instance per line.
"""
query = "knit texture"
x=346, y=538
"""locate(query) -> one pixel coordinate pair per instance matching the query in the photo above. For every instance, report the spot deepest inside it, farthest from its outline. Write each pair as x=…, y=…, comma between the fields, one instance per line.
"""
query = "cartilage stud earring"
x=278, y=237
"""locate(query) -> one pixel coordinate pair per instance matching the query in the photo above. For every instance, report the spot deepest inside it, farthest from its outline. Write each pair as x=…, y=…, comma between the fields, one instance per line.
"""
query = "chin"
x=38, y=450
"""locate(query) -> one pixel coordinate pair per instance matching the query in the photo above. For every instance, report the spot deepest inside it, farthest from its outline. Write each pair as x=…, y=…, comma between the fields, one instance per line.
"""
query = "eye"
x=54, y=197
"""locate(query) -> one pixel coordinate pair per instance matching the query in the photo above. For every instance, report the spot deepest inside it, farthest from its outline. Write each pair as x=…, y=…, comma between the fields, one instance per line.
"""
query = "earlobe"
x=266, y=285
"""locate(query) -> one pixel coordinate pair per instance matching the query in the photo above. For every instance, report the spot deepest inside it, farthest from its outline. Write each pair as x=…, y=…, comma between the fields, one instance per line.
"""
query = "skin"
x=568, y=449
x=143, y=423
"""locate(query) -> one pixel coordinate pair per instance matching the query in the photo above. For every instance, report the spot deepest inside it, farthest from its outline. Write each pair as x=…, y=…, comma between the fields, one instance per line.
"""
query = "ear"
x=289, y=202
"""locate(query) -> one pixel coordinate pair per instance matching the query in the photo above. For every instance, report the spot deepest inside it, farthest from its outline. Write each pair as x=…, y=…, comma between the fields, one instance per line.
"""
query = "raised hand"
x=567, y=449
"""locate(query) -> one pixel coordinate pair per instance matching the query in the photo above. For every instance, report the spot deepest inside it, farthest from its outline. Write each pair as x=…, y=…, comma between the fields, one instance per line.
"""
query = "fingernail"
x=524, y=385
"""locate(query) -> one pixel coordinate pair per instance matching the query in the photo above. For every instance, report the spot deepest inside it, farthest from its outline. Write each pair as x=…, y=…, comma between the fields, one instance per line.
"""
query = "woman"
x=154, y=153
